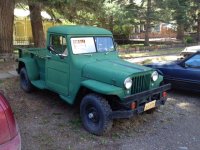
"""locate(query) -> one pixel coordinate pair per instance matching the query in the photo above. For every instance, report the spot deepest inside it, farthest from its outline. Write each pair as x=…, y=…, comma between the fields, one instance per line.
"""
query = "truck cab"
x=81, y=64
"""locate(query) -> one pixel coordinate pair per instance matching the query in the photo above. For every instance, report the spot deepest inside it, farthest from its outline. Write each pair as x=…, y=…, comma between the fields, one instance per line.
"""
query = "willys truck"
x=81, y=65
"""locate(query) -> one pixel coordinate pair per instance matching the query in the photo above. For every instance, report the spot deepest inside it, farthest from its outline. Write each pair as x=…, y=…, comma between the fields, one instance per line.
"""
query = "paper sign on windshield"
x=83, y=45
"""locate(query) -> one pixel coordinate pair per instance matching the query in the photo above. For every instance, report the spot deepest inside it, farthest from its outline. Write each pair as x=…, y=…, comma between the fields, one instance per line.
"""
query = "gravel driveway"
x=46, y=122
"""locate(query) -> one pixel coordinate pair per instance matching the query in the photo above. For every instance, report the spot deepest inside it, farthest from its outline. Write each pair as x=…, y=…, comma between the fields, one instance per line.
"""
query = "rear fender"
x=31, y=68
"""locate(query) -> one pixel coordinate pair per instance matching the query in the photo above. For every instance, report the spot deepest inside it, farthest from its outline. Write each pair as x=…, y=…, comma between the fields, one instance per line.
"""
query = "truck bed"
x=38, y=55
x=39, y=52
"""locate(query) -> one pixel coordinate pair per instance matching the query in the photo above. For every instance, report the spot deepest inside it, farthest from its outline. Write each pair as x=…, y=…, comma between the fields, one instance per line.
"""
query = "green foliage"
x=122, y=30
x=120, y=16
x=189, y=40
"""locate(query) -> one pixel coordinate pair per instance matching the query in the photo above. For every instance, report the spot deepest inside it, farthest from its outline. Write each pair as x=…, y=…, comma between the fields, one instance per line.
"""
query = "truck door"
x=57, y=65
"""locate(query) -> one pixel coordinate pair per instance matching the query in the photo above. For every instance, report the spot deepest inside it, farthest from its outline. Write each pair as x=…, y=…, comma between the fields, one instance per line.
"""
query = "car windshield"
x=83, y=45
x=194, y=61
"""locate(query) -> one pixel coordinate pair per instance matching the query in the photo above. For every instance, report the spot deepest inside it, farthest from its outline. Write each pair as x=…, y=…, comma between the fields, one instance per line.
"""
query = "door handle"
x=48, y=57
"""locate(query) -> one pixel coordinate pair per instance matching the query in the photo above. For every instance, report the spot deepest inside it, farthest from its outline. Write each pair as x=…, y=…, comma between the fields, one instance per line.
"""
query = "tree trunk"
x=36, y=23
x=198, y=28
x=148, y=23
x=180, y=32
x=6, y=26
x=111, y=23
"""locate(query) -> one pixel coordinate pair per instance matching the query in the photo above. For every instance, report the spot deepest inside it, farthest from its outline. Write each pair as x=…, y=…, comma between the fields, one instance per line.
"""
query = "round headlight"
x=128, y=83
x=154, y=76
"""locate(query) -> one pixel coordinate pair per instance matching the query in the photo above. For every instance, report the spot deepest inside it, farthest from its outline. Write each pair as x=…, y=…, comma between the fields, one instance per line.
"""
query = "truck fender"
x=102, y=88
x=31, y=68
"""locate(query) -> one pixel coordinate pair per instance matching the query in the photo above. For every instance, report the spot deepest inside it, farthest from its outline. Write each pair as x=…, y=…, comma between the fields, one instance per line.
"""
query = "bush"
x=189, y=40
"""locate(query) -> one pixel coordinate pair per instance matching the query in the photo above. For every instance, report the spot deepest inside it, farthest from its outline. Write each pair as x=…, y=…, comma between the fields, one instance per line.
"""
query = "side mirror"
x=51, y=48
x=185, y=65
x=116, y=45
x=182, y=65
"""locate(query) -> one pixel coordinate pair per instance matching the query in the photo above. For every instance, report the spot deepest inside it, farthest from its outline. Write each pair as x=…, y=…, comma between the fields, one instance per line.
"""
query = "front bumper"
x=136, y=98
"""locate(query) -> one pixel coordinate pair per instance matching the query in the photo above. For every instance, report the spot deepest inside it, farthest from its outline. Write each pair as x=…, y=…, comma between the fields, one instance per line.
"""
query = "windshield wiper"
x=110, y=50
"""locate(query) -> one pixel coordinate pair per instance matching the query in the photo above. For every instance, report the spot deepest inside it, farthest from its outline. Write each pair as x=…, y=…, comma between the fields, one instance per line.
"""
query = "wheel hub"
x=90, y=115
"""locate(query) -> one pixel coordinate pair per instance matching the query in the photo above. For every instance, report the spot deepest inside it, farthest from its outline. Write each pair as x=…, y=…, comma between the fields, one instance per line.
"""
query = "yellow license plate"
x=150, y=105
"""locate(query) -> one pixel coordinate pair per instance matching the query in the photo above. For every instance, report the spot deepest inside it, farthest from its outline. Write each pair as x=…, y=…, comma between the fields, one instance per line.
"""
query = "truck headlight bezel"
x=154, y=76
x=128, y=83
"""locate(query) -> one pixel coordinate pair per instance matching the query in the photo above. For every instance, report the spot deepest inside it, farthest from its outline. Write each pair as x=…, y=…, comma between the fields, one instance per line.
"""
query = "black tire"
x=94, y=112
x=24, y=81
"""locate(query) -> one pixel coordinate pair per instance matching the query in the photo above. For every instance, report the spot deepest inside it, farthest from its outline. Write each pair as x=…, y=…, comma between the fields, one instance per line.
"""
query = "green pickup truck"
x=82, y=66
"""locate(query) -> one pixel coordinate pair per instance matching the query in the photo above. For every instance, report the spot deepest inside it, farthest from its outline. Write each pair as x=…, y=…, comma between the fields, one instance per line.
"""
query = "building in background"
x=161, y=30
x=22, y=34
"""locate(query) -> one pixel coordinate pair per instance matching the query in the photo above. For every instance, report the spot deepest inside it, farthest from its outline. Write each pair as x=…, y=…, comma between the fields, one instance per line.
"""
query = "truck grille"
x=141, y=83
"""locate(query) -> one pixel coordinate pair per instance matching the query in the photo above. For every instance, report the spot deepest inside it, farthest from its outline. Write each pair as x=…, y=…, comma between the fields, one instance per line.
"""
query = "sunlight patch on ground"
x=184, y=105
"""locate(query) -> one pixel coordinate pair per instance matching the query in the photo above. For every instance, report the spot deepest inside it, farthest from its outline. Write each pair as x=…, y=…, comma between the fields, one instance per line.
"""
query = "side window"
x=193, y=62
x=59, y=43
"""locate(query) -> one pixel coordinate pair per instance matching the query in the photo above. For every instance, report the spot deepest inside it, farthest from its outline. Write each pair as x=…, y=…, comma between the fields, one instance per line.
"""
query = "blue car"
x=182, y=74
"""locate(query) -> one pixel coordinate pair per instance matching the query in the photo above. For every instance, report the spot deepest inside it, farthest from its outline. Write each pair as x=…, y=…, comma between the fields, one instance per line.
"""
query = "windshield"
x=92, y=45
x=193, y=61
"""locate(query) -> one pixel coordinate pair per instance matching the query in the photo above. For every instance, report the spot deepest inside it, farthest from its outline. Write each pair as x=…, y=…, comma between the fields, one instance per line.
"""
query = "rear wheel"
x=24, y=81
x=95, y=112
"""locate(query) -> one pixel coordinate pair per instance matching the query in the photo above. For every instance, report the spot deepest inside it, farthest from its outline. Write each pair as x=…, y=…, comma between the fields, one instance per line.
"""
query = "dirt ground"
x=7, y=66
x=48, y=123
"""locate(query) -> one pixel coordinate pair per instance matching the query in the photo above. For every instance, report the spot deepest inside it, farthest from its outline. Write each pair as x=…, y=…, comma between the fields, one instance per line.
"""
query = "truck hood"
x=112, y=71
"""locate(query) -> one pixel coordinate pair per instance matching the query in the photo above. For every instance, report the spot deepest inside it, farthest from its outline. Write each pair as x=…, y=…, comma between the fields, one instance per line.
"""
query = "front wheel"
x=94, y=112
x=24, y=81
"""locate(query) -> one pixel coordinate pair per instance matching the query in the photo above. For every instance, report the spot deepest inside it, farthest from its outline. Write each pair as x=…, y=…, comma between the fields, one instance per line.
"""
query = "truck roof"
x=79, y=30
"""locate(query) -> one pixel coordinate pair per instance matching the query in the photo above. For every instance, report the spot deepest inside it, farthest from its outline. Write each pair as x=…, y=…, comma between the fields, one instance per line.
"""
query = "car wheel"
x=95, y=112
x=24, y=81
